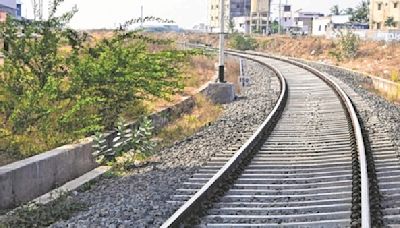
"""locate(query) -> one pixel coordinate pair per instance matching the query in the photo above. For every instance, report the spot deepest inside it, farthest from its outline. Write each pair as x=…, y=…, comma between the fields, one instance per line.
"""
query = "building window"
x=320, y=28
x=395, y=5
x=378, y=25
x=238, y=6
x=379, y=6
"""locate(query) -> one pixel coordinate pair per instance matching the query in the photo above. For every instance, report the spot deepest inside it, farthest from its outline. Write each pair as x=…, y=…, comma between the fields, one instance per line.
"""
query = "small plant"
x=395, y=76
x=127, y=148
x=141, y=142
x=38, y=215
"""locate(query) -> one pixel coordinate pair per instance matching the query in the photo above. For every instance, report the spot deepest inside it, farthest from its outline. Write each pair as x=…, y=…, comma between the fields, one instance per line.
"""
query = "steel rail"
x=190, y=206
x=194, y=203
x=365, y=206
x=359, y=138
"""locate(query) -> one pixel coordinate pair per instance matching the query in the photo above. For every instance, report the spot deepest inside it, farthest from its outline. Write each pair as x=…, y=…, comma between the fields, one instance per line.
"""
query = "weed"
x=38, y=215
x=395, y=76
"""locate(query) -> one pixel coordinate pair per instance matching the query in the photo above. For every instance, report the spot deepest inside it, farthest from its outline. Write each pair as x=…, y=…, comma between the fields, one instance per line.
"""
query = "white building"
x=287, y=17
x=320, y=26
x=242, y=24
x=304, y=20
x=327, y=26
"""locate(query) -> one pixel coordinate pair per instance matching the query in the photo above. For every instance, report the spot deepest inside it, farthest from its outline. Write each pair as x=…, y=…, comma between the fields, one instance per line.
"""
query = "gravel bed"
x=139, y=199
x=377, y=115
x=387, y=112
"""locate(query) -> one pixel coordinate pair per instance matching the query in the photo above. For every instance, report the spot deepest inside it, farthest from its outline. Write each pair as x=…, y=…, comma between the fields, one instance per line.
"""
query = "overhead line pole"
x=280, y=17
x=141, y=17
x=221, y=69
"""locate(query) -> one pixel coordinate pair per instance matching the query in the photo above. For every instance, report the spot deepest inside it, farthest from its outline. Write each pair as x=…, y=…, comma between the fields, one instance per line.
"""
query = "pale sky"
x=187, y=13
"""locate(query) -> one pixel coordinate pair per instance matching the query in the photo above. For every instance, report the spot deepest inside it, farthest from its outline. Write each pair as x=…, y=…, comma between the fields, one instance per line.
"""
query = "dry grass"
x=376, y=58
x=204, y=113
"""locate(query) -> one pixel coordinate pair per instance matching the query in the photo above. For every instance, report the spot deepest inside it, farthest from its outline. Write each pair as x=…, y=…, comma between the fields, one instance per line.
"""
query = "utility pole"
x=221, y=70
x=268, y=17
x=280, y=17
x=141, y=17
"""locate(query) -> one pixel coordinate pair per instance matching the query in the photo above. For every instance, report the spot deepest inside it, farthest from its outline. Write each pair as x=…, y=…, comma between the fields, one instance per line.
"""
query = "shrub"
x=240, y=42
x=57, y=86
x=349, y=43
x=395, y=76
x=347, y=46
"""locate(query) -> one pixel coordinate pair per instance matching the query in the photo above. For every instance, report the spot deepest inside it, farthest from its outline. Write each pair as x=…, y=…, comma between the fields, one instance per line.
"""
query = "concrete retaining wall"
x=25, y=180
x=390, y=89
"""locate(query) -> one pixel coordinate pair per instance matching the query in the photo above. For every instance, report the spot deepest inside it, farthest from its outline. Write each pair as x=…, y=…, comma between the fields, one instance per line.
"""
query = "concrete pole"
x=268, y=16
x=141, y=17
x=280, y=17
x=221, y=70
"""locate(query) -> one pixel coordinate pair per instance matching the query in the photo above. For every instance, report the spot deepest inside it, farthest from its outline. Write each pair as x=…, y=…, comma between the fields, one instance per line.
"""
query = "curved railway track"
x=304, y=167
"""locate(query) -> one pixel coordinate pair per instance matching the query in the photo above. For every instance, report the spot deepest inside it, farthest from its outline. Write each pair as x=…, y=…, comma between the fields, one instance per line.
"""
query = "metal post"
x=221, y=70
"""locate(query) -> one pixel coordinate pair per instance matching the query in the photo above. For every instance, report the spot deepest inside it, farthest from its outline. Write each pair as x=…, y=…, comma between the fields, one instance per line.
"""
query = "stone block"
x=220, y=93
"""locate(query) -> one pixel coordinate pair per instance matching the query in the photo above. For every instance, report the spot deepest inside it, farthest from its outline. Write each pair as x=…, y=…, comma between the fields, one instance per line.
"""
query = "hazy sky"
x=107, y=14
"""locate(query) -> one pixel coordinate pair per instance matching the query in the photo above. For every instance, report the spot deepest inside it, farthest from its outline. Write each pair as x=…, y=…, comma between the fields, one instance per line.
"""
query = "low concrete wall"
x=390, y=89
x=25, y=180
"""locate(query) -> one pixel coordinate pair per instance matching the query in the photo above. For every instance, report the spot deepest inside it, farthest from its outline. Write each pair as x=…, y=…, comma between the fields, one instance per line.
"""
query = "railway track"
x=304, y=167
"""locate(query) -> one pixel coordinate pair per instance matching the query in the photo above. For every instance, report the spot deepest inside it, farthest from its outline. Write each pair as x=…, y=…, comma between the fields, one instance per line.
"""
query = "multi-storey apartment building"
x=248, y=13
x=233, y=8
x=382, y=11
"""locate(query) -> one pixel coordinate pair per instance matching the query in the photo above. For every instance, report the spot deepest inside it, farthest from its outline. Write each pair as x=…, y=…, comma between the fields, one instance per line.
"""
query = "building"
x=331, y=26
x=286, y=17
x=323, y=26
x=382, y=11
x=233, y=8
x=260, y=14
x=10, y=7
x=245, y=14
x=304, y=20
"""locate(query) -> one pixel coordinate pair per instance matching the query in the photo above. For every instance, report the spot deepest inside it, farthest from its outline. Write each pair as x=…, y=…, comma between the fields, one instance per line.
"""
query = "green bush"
x=58, y=86
x=241, y=42
x=347, y=46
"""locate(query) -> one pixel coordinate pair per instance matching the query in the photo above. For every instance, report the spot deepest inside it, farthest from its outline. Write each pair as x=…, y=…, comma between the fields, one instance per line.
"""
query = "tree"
x=231, y=26
x=348, y=11
x=57, y=85
x=335, y=10
x=361, y=13
x=390, y=22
